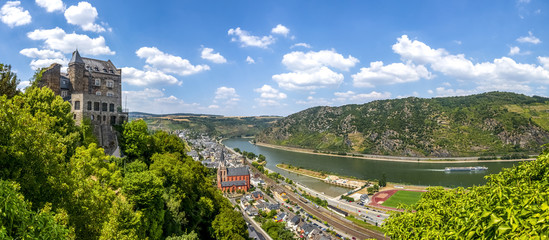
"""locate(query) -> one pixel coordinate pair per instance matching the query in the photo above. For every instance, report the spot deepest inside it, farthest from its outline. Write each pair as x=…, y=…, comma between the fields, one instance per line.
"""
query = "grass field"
x=404, y=197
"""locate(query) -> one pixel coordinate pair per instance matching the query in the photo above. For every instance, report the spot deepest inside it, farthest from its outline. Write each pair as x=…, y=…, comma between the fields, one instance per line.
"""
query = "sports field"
x=405, y=197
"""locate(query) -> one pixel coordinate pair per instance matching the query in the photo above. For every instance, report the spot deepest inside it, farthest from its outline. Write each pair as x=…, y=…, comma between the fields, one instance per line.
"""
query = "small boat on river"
x=465, y=169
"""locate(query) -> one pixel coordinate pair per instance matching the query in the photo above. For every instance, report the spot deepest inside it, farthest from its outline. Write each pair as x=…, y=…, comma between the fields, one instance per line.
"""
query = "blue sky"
x=241, y=58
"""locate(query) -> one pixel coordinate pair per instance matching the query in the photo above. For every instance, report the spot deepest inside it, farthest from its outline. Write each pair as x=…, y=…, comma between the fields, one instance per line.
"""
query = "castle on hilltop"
x=94, y=89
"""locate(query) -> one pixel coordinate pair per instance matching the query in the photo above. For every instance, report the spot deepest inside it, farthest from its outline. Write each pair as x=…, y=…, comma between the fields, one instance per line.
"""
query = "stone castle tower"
x=94, y=89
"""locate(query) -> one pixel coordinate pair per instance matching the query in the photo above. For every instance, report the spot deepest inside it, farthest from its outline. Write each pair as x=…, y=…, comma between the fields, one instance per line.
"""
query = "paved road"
x=334, y=220
x=253, y=225
x=349, y=207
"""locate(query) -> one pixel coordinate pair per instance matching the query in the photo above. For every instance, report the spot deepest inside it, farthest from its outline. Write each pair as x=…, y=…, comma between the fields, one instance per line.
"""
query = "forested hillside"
x=514, y=204
x=494, y=123
x=55, y=183
x=212, y=125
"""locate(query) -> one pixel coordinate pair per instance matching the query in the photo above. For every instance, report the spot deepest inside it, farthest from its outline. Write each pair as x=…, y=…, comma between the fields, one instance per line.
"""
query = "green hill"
x=494, y=123
x=213, y=125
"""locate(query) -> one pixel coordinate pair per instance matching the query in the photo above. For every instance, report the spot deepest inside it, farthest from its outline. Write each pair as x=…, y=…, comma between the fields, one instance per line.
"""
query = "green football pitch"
x=404, y=197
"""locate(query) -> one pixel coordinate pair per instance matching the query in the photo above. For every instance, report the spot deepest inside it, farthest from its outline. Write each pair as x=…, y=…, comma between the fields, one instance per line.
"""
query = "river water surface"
x=427, y=174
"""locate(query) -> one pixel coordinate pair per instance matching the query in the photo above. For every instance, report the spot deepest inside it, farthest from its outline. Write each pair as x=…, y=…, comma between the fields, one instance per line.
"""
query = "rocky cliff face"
x=440, y=127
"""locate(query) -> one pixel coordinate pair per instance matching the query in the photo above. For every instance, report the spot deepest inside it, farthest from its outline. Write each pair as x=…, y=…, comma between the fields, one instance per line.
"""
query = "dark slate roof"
x=273, y=206
x=257, y=194
x=95, y=65
x=308, y=228
x=76, y=57
x=238, y=171
x=280, y=216
x=295, y=220
x=233, y=183
x=65, y=82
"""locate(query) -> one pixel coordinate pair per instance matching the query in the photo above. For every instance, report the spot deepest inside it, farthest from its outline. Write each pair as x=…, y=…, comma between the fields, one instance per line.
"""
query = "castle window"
x=96, y=69
x=111, y=107
x=90, y=106
x=63, y=93
x=104, y=107
x=97, y=82
x=76, y=105
x=92, y=117
x=96, y=106
x=111, y=71
x=104, y=118
x=104, y=70
x=110, y=84
x=98, y=93
x=110, y=94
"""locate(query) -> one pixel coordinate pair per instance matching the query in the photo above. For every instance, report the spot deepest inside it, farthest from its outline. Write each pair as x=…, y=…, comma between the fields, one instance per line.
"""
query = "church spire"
x=76, y=58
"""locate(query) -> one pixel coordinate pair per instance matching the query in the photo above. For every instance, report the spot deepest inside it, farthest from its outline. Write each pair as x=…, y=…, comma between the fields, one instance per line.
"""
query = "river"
x=426, y=174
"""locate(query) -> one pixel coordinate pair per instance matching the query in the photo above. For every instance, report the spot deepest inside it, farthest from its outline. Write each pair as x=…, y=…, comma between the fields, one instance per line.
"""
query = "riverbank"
x=320, y=176
x=394, y=158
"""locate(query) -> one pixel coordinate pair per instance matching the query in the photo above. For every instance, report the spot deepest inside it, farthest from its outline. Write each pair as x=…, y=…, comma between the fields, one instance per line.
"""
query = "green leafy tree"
x=144, y=191
x=122, y=221
x=136, y=141
x=383, y=180
x=512, y=205
x=37, y=138
x=168, y=143
x=8, y=81
x=18, y=221
x=229, y=225
x=277, y=230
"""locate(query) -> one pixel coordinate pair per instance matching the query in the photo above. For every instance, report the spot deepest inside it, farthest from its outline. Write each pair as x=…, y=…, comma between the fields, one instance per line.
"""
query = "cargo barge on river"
x=465, y=169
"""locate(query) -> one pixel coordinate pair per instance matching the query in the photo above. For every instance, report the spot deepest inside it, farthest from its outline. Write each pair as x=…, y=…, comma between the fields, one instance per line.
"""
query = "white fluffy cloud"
x=311, y=70
x=514, y=50
x=393, y=73
x=305, y=45
x=12, y=14
x=267, y=91
x=83, y=15
x=44, y=57
x=153, y=100
x=42, y=54
x=146, y=78
x=281, y=29
x=269, y=96
x=299, y=61
x=168, y=63
x=544, y=61
x=352, y=97
x=226, y=96
x=250, y=60
x=248, y=40
x=308, y=80
x=501, y=74
x=51, y=5
x=207, y=53
x=57, y=39
x=529, y=39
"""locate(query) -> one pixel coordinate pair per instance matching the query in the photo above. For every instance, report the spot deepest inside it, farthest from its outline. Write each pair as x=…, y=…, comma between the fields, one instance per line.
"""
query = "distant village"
x=234, y=176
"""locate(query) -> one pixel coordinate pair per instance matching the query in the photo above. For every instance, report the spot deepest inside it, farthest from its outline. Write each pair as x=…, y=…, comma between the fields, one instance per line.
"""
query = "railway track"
x=349, y=228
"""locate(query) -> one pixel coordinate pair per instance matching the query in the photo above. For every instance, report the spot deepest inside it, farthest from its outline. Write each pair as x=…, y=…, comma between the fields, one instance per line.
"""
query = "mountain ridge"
x=484, y=124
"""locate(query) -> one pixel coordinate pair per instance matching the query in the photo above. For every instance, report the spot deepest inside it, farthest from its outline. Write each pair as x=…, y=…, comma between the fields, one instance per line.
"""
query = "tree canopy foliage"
x=56, y=183
x=8, y=81
x=514, y=204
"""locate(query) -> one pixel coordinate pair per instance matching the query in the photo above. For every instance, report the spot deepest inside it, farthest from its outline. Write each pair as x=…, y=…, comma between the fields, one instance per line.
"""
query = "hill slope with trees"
x=514, y=204
x=494, y=123
x=55, y=183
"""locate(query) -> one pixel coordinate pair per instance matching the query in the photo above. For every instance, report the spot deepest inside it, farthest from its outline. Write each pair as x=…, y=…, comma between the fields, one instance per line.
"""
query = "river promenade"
x=394, y=158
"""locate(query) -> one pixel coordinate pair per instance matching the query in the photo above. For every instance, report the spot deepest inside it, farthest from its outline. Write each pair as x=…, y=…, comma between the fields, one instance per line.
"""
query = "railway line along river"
x=426, y=174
